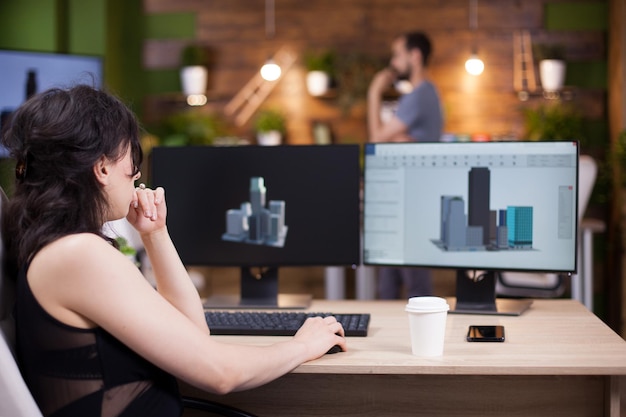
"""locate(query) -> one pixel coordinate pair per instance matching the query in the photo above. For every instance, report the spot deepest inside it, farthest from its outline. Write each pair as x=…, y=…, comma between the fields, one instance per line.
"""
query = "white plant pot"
x=271, y=138
x=317, y=82
x=193, y=79
x=552, y=74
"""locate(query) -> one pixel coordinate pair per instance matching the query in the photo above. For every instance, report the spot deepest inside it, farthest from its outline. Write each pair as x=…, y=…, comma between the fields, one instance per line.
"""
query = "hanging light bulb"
x=270, y=19
x=270, y=71
x=474, y=65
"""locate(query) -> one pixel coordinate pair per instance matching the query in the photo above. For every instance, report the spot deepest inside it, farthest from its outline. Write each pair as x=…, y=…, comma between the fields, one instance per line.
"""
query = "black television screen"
x=472, y=206
x=262, y=206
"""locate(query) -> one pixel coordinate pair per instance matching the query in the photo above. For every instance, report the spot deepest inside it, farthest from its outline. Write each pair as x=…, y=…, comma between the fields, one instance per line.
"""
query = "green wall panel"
x=123, y=59
x=28, y=24
x=87, y=27
x=162, y=81
x=576, y=16
x=589, y=74
x=170, y=25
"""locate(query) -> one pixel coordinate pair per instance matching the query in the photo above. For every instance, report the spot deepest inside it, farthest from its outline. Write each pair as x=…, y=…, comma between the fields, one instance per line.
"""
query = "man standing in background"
x=418, y=118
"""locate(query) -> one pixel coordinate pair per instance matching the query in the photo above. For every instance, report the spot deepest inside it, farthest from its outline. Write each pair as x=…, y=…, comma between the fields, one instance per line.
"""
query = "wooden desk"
x=558, y=360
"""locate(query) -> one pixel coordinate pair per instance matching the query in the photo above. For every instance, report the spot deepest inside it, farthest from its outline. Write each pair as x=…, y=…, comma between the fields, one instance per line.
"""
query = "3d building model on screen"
x=254, y=223
x=483, y=228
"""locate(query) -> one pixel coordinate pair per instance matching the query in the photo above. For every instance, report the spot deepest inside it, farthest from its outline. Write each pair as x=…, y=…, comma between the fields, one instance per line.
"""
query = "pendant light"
x=270, y=71
x=474, y=65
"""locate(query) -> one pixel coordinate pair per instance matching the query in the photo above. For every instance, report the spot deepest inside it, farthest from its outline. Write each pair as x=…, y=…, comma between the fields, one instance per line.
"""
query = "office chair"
x=15, y=398
x=520, y=284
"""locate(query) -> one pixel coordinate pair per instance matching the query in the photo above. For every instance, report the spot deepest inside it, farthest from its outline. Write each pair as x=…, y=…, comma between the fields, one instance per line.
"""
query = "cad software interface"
x=492, y=205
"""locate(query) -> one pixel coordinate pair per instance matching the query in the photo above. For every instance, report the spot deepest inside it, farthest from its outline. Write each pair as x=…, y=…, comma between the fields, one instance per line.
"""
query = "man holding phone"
x=418, y=118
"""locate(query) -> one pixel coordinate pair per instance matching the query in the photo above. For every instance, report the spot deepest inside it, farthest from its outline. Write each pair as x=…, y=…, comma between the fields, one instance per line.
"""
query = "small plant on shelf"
x=195, y=62
x=268, y=120
x=320, y=61
x=270, y=126
x=321, y=71
x=551, y=59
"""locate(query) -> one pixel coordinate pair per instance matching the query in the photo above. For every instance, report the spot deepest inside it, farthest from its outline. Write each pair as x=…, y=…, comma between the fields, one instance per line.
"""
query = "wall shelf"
x=564, y=94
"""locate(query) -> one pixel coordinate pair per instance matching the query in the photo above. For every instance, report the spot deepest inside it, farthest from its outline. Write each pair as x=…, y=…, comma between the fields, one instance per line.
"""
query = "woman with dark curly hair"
x=93, y=337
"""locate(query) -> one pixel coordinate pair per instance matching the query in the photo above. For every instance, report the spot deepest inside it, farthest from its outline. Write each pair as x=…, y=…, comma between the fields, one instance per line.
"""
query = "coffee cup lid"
x=427, y=304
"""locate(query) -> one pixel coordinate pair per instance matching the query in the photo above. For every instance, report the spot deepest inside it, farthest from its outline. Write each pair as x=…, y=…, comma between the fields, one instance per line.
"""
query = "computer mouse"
x=334, y=349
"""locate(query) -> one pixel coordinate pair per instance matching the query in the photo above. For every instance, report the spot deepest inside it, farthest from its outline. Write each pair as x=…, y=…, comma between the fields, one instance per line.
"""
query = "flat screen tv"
x=23, y=73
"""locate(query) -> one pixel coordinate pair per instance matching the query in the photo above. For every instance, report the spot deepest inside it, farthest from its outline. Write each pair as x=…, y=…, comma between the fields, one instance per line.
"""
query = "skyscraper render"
x=482, y=228
x=478, y=196
x=254, y=223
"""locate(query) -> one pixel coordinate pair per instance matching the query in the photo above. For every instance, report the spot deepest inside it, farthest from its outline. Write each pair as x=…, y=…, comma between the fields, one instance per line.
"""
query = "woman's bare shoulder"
x=74, y=251
x=70, y=270
x=79, y=243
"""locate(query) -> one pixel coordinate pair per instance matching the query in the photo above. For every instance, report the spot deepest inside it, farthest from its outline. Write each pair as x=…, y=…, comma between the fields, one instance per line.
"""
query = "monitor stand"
x=259, y=291
x=476, y=294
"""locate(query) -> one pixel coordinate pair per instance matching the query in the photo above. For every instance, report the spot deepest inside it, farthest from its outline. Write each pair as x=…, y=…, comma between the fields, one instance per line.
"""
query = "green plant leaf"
x=268, y=120
x=124, y=247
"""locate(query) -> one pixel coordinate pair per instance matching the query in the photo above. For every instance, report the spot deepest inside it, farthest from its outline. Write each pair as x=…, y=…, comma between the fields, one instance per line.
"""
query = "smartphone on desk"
x=485, y=333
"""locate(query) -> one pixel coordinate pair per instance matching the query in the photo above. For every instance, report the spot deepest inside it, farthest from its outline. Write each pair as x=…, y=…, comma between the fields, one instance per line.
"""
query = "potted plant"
x=194, y=72
x=355, y=71
x=191, y=127
x=320, y=67
x=551, y=58
x=127, y=250
x=270, y=127
x=554, y=121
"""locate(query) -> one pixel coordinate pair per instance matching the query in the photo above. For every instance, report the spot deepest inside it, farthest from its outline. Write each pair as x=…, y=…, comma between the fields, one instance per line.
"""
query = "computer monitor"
x=24, y=73
x=260, y=208
x=477, y=207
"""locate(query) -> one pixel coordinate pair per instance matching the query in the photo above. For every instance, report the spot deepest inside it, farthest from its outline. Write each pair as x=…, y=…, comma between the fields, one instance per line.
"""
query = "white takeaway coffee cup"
x=427, y=324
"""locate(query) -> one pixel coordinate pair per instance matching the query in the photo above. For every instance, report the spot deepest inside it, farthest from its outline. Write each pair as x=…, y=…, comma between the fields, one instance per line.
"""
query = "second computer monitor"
x=262, y=207
x=472, y=206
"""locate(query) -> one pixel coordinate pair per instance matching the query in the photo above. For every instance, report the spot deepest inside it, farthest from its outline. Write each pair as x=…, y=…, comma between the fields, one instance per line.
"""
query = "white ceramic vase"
x=271, y=138
x=317, y=82
x=193, y=79
x=552, y=74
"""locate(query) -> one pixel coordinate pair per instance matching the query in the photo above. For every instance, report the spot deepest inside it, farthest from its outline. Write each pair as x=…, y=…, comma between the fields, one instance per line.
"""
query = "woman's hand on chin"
x=148, y=209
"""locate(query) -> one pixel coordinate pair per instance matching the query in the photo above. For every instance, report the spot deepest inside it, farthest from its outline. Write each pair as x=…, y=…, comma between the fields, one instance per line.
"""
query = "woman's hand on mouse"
x=319, y=335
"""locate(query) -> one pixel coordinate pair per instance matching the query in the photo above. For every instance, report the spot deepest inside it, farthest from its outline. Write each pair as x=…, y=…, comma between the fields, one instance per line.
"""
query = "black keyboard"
x=277, y=323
